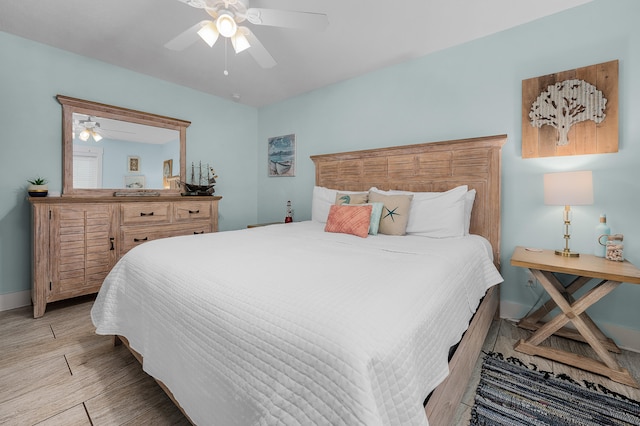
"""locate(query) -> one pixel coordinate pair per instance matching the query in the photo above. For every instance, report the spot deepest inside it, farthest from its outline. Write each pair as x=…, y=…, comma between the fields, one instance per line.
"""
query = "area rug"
x=512, y=393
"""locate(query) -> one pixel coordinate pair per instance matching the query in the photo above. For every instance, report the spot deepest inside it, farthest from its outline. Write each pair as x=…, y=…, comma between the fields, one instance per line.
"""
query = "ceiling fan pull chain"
x=226, y=43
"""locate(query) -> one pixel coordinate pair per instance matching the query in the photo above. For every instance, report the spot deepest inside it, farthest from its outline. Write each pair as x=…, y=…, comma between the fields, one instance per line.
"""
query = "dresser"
x=77, y=240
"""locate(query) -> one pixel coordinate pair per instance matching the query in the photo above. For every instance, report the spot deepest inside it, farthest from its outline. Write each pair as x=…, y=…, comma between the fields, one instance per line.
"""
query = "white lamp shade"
x=226, y=24
x=209, y=33
x=84, y=135
x=240, y=42
x=568, y=188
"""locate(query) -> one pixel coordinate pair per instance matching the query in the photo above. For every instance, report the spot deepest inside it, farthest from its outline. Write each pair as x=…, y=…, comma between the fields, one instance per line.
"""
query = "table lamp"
x=567, y=189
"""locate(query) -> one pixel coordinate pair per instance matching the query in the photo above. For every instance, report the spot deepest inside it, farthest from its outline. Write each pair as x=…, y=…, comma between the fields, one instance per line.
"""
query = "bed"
x=288, y=324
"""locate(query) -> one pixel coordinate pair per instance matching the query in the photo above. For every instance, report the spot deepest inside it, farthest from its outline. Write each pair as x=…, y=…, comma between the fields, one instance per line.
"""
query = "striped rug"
x=511, y=393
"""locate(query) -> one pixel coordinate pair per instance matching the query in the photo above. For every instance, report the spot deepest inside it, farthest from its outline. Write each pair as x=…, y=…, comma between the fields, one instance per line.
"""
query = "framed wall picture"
x=134, y=182
x=133, y=164
x=571, y=112
x=281, y=155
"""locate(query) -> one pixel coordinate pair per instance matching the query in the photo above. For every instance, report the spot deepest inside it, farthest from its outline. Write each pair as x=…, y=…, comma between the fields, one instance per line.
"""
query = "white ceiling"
x=126, y=131
x=363, y=35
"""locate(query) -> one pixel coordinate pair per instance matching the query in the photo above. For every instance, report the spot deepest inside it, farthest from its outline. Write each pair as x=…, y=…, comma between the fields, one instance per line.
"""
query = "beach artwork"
x=282, y=155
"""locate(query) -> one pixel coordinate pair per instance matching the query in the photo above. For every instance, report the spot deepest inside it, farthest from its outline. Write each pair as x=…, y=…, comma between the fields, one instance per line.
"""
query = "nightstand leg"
x=574, y=311
x=620, y=375
x=532, y=322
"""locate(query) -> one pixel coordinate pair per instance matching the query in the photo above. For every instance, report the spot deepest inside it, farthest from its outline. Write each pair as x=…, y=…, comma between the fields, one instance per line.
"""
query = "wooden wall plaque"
x=571, y=112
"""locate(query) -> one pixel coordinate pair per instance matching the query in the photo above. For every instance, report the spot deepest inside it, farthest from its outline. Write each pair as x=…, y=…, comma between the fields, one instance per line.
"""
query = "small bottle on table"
x=289, y=217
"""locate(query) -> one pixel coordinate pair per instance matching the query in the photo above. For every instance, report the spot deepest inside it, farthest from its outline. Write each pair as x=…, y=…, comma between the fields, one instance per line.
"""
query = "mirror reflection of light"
x=84, y=135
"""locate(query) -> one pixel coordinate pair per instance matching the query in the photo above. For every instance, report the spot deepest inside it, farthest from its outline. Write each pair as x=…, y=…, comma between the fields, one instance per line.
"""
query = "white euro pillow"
x=322, y=200
x=437, y=214
x=469, y=198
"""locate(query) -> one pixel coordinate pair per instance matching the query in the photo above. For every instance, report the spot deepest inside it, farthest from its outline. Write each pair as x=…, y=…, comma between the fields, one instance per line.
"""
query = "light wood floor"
x=56, y=371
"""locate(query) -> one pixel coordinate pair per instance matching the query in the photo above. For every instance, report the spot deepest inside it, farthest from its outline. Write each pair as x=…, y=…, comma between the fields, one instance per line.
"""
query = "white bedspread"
x=287, y=324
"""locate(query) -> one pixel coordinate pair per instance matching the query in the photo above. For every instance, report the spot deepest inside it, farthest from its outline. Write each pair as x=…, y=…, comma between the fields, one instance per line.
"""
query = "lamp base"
x=567, y=253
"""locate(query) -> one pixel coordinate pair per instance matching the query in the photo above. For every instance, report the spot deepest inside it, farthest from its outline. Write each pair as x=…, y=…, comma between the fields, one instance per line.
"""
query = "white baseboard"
x=15, y=300
x=626, y=338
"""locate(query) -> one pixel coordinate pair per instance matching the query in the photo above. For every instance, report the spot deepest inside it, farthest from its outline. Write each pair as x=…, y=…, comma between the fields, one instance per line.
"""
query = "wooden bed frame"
x=436, y=166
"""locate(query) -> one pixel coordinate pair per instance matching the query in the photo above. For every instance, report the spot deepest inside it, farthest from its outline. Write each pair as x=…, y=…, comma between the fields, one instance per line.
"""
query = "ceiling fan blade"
x=288, y=19
x=186, y=38
x=198, y=4
x=257, y=50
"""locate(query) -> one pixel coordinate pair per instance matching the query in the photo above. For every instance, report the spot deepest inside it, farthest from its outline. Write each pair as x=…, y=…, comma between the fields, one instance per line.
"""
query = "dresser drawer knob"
x=137, y=240
x=111, y=242
x=194, y=211
x=196, y=232
x=146, y=214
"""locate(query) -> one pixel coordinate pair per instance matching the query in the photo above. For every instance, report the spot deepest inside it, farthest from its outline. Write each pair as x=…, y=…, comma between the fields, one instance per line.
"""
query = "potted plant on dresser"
x=38, y=187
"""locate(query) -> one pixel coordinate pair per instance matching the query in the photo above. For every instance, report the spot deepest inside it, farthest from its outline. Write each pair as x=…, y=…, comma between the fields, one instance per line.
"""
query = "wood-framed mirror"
x=109, y=149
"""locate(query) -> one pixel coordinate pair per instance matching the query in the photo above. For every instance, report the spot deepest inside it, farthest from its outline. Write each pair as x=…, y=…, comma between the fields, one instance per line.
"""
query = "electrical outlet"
x=531, y=279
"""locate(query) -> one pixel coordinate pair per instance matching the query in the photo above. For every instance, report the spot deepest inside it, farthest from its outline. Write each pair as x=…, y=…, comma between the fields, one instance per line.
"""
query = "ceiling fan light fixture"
x=84, y=135
x=209, y=33
x=226, y=25
x=240, y=42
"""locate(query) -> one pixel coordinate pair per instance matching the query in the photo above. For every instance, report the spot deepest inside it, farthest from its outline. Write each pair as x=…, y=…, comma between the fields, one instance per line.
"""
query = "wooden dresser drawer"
x=141, y=213
x=136, y=235
x=191, y=210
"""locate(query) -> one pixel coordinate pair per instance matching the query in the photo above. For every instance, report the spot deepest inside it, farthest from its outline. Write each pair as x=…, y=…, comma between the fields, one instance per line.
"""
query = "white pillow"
x=323, y=199
x=437, y=214
x=469, y=198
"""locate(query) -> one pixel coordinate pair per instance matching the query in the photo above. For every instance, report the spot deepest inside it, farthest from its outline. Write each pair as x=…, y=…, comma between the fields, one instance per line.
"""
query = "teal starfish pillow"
x=395, y=212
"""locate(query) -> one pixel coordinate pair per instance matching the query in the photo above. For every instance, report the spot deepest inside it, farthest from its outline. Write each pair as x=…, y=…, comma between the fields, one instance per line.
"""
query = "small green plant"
x=37, y=181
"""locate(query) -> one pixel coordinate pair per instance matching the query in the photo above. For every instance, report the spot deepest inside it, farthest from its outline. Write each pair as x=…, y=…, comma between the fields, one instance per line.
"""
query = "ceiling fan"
x=227, y=14
x=87, y=128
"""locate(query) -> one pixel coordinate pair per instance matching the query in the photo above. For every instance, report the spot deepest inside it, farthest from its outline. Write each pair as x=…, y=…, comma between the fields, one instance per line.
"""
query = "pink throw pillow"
x=347, y=219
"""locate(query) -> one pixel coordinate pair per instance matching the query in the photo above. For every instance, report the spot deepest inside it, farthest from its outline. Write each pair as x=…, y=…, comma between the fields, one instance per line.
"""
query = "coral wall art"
x=571, y=112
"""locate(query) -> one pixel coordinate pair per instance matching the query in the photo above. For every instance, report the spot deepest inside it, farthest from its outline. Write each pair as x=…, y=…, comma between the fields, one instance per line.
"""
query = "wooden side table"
x=543, y=264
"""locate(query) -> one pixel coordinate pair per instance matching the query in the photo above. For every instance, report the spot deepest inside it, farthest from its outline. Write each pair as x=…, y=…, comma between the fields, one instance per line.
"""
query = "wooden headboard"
x=427, y=167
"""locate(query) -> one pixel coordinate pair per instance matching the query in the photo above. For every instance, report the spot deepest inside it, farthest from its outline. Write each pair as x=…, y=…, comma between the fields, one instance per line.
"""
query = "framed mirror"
x=109, y=149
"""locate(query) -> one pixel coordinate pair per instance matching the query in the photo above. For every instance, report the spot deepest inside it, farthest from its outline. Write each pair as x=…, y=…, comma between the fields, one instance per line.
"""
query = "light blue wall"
x=475, y=90
x=222, y=133
x=470, y=90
